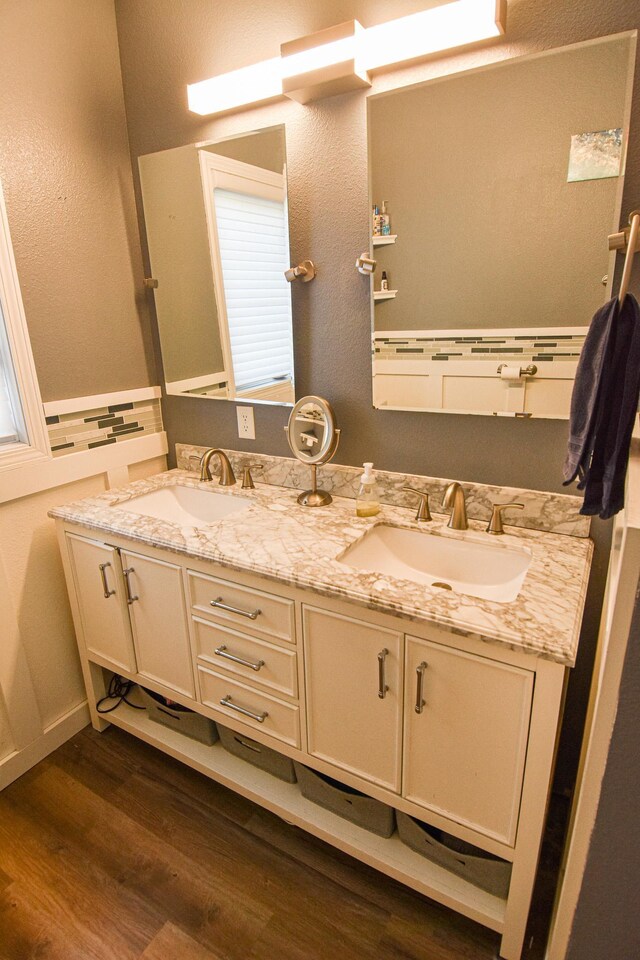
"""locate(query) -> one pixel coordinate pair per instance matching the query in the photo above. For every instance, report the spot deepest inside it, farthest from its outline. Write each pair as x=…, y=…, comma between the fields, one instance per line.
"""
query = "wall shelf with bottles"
x=384, y=294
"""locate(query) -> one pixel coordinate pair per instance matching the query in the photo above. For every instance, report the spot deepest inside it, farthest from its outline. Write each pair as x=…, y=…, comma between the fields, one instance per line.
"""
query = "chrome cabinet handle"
x=130, y=597
x=105, y=586
x=420, y=669
x=382, y=686
x=227, y=702
x=250, y=614
x=221, y=651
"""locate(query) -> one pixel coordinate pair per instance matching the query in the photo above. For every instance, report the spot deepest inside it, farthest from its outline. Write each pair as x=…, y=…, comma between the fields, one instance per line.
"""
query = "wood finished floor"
x=110, y=850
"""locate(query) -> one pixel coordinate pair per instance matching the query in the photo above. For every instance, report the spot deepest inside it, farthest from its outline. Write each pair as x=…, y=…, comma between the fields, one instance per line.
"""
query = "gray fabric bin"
x=362, y=810
x=483, y=869
x=257, y=754
x=179, y=718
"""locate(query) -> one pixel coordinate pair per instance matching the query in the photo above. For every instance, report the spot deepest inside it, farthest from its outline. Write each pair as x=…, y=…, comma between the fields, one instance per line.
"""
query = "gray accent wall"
x=474, y=170
x=164, y=46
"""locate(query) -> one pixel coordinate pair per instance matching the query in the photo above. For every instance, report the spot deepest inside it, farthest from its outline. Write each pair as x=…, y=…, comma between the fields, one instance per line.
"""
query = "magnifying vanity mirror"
x=500, y=188
x=313, y=438
x=217, y=230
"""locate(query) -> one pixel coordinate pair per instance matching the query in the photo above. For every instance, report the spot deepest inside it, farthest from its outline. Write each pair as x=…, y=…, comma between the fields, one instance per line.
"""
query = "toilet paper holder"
x=529, y=371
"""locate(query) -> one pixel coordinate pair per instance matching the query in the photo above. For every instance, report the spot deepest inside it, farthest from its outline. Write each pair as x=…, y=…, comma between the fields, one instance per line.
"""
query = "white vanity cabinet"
x=100, y=596
x=133, y=612
x=336, y=687
x=466, y=731
x=353, y=684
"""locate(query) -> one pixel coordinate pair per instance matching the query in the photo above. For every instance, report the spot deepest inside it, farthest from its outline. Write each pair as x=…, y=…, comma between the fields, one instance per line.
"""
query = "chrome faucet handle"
x=423, y=512
x=454, y=500
x=495, y=524
x=247, y=479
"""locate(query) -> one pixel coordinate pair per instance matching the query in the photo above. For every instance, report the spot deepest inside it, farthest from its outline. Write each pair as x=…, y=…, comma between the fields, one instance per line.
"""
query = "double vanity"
x=421, y=665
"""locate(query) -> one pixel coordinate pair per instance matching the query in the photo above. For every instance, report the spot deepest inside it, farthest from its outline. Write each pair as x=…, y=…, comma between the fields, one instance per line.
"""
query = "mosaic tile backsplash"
x=525, y=348
x=86, y=429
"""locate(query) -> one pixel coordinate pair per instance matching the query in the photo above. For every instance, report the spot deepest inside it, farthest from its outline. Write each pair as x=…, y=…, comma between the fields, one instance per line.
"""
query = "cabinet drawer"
x=280, y=720
x=267, y=665
x=270, y=616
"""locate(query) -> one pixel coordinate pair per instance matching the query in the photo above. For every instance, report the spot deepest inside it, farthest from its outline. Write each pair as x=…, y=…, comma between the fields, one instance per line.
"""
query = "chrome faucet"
x=227, y=476
x=454, y=501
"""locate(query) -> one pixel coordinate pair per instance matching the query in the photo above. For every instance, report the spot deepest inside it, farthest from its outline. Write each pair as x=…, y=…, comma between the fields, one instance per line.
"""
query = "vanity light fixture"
x=340, y=58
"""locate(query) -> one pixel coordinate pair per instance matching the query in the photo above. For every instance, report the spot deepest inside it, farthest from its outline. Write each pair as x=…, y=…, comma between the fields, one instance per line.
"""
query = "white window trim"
x=37, y=446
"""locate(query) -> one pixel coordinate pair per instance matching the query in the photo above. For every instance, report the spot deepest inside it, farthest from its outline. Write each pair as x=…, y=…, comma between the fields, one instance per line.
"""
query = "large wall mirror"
x=217, y=229
x=500, y=187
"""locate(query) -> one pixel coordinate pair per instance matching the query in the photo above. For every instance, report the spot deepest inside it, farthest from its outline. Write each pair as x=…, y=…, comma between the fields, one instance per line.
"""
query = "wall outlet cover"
x=246, y=424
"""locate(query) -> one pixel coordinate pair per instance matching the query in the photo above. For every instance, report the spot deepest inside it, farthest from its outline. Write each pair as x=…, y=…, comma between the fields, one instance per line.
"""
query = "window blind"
x=253, y=244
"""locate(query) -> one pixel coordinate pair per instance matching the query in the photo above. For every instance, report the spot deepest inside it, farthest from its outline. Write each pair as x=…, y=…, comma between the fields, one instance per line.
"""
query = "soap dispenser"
x=367, y=501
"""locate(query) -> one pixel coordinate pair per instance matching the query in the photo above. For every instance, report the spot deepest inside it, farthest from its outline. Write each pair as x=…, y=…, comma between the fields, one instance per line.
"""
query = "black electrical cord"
x=119, y=689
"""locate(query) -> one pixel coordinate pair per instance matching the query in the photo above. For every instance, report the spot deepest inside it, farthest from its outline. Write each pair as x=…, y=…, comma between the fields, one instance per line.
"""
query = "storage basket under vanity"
x=179, y=718
x=483, y=869
x=364, y=811
x=257, y=754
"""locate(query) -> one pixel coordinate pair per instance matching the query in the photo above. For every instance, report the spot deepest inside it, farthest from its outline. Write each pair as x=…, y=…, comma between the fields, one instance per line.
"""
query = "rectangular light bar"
x=338, y=59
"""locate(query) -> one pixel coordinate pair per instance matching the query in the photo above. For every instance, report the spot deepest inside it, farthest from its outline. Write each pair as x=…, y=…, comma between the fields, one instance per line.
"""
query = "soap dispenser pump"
x=367, y=501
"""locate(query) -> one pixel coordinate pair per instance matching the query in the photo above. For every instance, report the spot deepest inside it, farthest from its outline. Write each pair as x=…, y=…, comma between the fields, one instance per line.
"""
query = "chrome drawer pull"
x=251, y=615
x=130, y=596
x=420, y=669
x=382, y=686
x=105, y=586
x=226, y=702
x=221, y=651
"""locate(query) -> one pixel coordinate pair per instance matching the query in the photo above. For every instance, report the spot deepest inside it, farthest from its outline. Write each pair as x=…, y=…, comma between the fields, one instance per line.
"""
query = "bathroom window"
x=23, y=434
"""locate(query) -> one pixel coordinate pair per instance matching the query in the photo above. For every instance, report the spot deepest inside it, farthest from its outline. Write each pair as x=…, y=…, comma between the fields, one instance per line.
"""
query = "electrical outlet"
x=246, y=425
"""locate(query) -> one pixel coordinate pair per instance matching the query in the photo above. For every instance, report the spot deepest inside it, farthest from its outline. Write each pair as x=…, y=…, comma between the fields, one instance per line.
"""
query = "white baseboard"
x=53, y=736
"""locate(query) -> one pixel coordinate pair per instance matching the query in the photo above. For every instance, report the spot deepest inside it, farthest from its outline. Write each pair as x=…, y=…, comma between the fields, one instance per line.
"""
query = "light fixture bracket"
x=323, y=64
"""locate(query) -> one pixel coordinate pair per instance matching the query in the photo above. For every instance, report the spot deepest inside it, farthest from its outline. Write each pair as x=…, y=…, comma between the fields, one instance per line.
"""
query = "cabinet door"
x=100, y=594
x=159, y=620
x=466, y=728
x=348, y=664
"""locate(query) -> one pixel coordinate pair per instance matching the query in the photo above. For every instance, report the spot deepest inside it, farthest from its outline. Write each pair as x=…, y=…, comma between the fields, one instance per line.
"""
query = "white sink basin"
x=186, y=506
x=464, y=565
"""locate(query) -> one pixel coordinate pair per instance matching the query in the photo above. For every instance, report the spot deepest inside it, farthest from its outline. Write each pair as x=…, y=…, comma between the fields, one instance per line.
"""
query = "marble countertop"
x=279, y=539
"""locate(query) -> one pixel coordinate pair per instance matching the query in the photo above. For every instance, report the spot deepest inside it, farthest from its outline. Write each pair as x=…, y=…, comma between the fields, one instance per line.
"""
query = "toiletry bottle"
x=367, y=502
x=376, y=225
x=384, y=282
x=385, y=220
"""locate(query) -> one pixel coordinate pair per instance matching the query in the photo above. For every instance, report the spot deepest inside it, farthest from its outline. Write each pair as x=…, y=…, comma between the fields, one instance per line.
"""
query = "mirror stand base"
x=315, y=498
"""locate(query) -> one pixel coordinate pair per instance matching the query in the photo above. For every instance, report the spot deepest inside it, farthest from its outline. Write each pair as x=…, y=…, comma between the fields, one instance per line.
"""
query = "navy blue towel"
x=603, y=407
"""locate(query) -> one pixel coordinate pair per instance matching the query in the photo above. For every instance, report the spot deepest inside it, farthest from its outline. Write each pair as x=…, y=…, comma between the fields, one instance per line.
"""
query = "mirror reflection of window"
x=217, y=227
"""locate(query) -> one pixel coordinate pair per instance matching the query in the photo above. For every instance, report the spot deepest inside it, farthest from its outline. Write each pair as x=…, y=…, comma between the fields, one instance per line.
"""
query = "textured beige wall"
x=67, y=181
